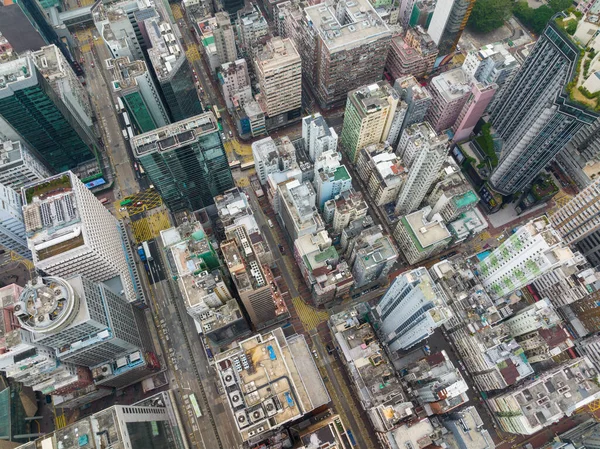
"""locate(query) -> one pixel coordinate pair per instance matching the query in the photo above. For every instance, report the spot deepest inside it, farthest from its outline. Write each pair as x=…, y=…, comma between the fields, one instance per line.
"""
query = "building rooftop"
x=361, y=23
x=389, y=168
x=410, y=82
x=350, y=200
x=16, y=74
x=51, y=216
x=425, y=233
x=298, y=195
x=417, y=435
x=234, y=209
x=422, y=134
x=270, y=380
x=452, y=84
x=276, y=53
x=378, y=248
x=374, y=97
x=10, y=152
x=467, y=432
x=175, y=135
x=164, y=50
x=124, y=72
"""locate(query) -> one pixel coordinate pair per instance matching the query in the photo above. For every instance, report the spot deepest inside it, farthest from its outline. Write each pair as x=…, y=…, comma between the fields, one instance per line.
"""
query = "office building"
x=19, y=166
x=299, y=388
x=491, y=64
x=416, y=97
x=137, y=426
x=531, y=251
x=423, y=152
x=382, y=172
x=298, y=212
x=50, y=127
x=411, y=309
x=279, y=74
x=543, y=108
x=452, y=195
x=343, y=46
x=449, y=91
x=580, y=216
x=133, y=84
x=224, y=34
x=448, y=22
x=543, y=401
x=273, y=156
x=371, y=372
x=412, y=54
x=56, y=69
x=372, y=257
x=318, y=136
x=12, y=227
x=420, y=237
x=348, y=207
x=251, y=27
x=331, y=178
x=185, y=161
x=436, y=384
x=234, y=82
x=119, y=29
x=69, y=232
x=206, y=296
x=172, y=70
x=368, y=117
x=477, y=102
x=247, y=257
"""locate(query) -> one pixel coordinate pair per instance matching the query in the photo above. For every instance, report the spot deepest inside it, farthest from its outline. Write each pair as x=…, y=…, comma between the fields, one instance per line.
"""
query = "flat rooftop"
x=410, y=82
x=277, y=53
x=468, y=432
x=373, y=97
x=124, y=72
x=361, y=24
x=10, y=152
x=15, y=75
x=423, y=233
x=452, y=84
x=165, y=52
x=270, y=380
x=174, y=136
x=415, y=436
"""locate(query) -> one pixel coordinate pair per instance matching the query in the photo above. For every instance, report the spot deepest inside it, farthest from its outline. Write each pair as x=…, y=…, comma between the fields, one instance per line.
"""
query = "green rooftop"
x=208, y=40
x=466, y=199
x=341, y=174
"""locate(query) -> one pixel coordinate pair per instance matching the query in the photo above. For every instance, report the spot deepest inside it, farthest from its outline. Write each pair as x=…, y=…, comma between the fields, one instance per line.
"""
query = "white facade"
x=411, y=309
x=539, y=315
x=235, y=83
x=439, y=19
x=423, y=152
x=12, y=228
x=492, y=63
x=530, y=252
x=330, y=178
x=70, y=232
x=273, y=156
x=318, y=136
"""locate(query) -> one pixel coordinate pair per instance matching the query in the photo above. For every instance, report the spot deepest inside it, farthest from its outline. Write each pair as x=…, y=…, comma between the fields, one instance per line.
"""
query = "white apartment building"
x=117, y=30
x=318, y=136
x=224, y=38
x=18, y=165
x=539, y=315
x=12, y=227
x=492, y=63
x=423, y=152
x=298, y=211
x=251, y=26
x=70, y=232
x=330, y=178
x=235, y=83
x=273, y=156
x=279, y=73
x=530, y=252
x=348, y=207
x=372, y=256
x=411, y=309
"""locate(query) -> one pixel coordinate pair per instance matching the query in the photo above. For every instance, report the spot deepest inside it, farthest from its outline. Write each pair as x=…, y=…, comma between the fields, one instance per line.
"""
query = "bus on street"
x=195, y=405
x=217, y=113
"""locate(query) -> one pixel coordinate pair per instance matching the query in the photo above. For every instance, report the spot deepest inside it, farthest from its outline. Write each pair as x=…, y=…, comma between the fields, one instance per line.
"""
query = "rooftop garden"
x=54, y=185
x=486, y=143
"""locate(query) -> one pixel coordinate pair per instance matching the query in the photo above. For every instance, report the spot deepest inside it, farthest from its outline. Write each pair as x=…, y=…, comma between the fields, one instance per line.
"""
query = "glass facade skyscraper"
x=186, y=162
x=30, y=106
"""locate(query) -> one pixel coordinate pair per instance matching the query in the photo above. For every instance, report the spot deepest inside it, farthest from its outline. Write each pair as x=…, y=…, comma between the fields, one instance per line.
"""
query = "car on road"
x=270, y=223
x=230, y=133
x=139, y=203
x=281, y=249
x=314, y=351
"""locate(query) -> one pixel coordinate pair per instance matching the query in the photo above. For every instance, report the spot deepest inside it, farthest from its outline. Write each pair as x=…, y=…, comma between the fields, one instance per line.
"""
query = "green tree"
x=489, y=15
x=559, y=5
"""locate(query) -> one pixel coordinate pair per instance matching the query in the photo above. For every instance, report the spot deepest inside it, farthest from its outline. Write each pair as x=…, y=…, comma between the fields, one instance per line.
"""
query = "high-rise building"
x=372, y=257
x=298, y=212
x=185, y=161
x=448, y=22
x=423, y=152
x=251, y=26
x=70, y=232
x=147, y=425
x=348, y=207
x=536, y=120
x=416, y=97
x=331, y=178
x=477, y=102
x=531, y=251
x=581, y=155
x=449, y=91
x=172, y=70
x=18, y=165
x=318, y=136
x=51, y=127
x=273, y=156
x=368, y=117
x=224, y=35
x=382, y=171
x=133, y=84
x=412, y=54
x=12, y=228
x=580, y=216
x=542, y=401
x=234, y=82
x=420, y=235
x=411, y=309
x=343, y=46
x=490, y=64
x=587, y=314
x=279, y=74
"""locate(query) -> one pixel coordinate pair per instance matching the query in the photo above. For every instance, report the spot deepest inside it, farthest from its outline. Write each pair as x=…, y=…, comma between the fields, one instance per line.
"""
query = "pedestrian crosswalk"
x=60, y=421
x=310, y=316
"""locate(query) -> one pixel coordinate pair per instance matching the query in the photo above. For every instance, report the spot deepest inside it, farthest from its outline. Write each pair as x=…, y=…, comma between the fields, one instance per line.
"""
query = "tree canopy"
x=489, y=15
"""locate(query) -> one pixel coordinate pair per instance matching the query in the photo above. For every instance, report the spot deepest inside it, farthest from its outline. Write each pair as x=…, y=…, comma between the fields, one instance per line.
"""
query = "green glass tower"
x=30, y=106
x=185, y=161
